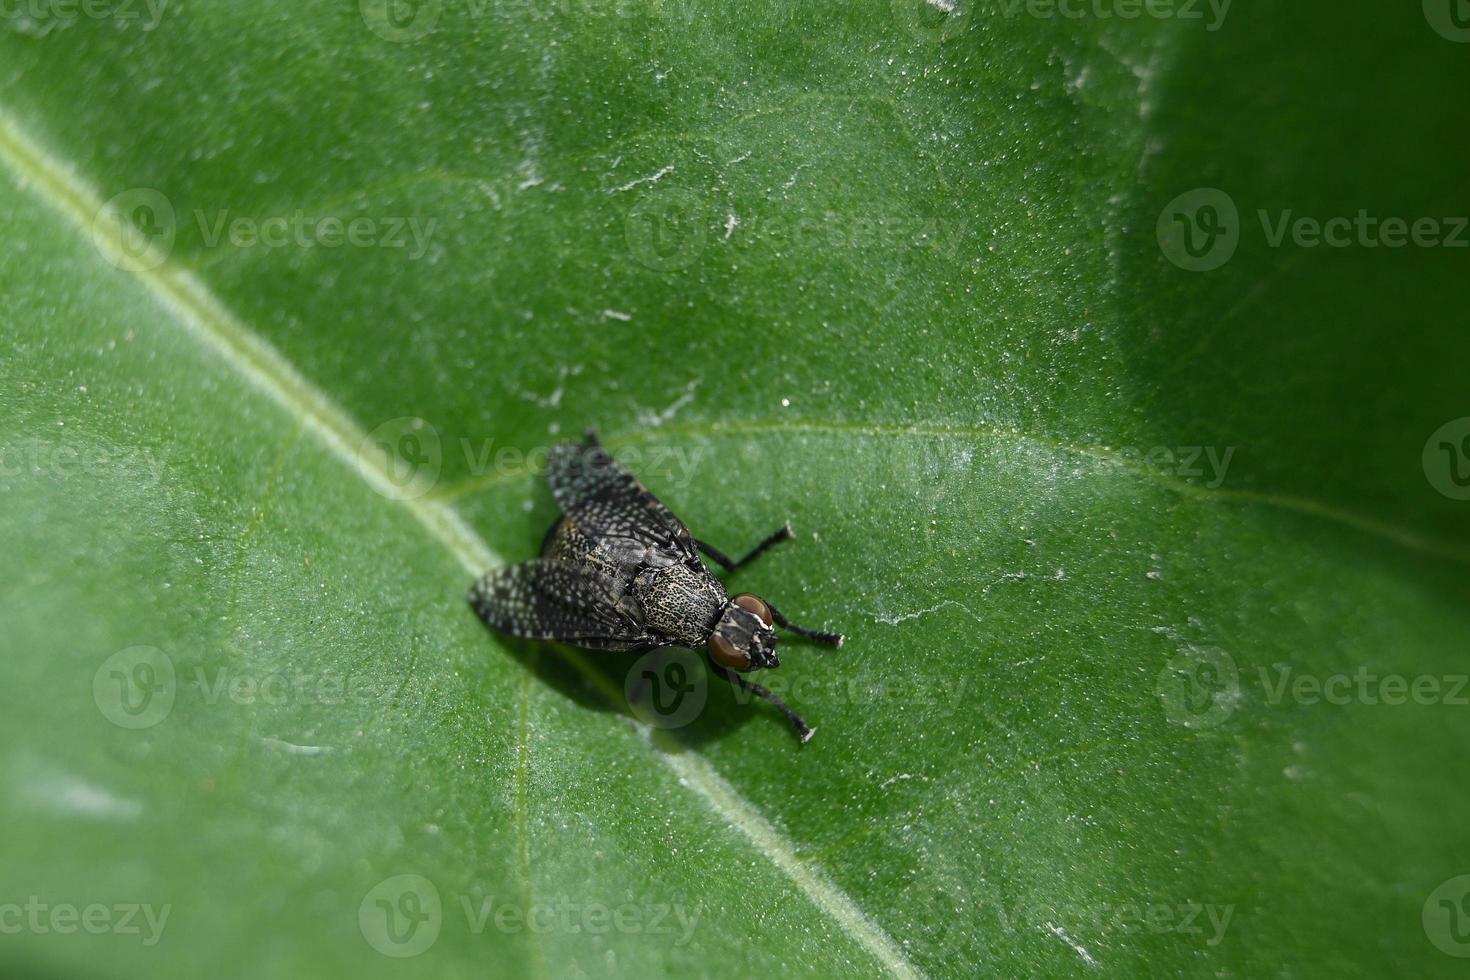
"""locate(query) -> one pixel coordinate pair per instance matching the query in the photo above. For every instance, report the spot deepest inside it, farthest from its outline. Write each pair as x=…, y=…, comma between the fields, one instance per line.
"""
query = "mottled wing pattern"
x=552, y=600
x=604, y=500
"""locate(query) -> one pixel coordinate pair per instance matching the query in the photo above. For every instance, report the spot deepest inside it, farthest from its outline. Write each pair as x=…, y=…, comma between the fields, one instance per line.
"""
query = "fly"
x=619, y=572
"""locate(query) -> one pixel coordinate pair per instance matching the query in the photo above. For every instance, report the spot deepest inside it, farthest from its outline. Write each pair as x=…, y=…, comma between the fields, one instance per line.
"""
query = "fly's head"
x=743, y=638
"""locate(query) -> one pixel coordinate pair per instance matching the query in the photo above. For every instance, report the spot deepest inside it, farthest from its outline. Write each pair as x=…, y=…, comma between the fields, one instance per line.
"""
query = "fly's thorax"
x=680, y=602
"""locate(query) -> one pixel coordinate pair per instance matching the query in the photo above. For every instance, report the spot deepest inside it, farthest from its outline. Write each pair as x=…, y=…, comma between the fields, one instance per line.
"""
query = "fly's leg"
x=784, y=533
x=803, y=731
x=816, y=636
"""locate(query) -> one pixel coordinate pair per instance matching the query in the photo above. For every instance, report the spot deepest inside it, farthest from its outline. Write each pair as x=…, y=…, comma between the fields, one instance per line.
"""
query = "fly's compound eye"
x=754, y=604
x=726, y=655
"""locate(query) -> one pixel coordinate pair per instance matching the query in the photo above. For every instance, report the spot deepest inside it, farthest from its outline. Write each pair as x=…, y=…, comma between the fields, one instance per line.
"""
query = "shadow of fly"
x=618, y=571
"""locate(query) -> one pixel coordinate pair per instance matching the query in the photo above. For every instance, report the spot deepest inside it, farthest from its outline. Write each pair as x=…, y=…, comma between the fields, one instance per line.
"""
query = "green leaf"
x=1153, y=579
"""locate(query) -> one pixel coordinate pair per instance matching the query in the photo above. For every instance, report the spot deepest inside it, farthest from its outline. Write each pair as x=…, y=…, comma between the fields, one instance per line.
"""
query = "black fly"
x=618, y=571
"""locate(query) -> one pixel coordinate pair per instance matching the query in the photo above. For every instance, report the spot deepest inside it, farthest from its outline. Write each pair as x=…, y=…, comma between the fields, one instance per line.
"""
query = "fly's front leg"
x=816, y=636
x=784, y=533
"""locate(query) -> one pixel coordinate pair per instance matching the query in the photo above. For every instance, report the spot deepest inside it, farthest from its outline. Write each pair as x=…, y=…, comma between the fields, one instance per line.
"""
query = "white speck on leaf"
x=1077, y=947
x=905, y=617
x=67, y=794
x=650, y=179
x=654, y=419
x=532, y=176
x=291, y=748
x=791, y=182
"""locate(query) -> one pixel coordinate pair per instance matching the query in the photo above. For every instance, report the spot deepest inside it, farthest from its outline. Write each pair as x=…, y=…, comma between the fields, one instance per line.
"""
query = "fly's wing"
x=604, y=500
x=552, y=600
